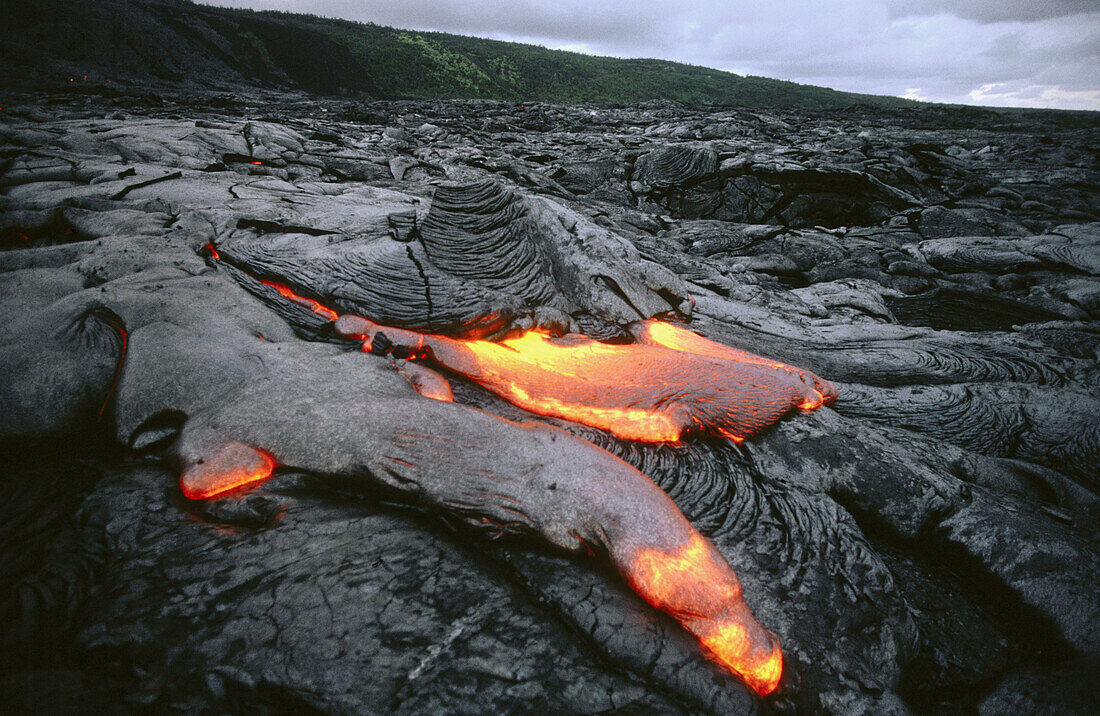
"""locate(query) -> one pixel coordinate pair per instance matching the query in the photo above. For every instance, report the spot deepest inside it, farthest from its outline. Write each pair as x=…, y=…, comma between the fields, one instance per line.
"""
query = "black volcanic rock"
x=928, y=543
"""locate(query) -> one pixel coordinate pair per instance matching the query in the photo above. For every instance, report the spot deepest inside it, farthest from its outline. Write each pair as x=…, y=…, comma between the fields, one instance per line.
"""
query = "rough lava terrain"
x=928, y=543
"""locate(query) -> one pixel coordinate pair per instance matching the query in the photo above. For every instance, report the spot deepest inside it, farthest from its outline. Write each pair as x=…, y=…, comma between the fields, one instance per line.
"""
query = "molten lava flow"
x=309, y=303
x=644, y=391
x=681, y=339
x=697, y=587
x=670, y=384
x=234, y=465
x=517, y=368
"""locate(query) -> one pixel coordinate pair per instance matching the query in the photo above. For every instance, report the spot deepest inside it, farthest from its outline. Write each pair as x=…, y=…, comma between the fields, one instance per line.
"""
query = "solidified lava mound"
x=170, y=268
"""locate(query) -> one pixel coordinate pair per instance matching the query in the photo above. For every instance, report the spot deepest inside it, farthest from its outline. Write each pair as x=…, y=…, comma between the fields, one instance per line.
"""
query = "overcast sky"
x=1030, y=53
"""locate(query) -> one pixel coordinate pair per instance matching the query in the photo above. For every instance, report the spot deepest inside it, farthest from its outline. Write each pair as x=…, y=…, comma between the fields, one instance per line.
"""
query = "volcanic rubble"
x=927, y=543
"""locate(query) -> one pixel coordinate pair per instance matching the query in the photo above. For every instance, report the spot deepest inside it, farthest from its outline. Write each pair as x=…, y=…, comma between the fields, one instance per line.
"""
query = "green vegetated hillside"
x=179, y=41
x=439, y=65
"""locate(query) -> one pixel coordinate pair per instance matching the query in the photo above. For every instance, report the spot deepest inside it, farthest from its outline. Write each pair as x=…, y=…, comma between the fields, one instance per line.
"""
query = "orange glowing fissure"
x=697, y=587
x=309, y=303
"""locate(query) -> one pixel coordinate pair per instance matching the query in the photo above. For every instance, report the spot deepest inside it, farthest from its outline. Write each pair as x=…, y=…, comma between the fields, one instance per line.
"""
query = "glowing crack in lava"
x=695, y=585
x=309, y=303
x=232, y=466
x=665, y=388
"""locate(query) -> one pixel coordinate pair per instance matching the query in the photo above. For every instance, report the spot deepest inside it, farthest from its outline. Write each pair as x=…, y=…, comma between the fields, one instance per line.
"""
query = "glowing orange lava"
x=670, y=384
x=696, y=586
x=681, y=339
x=234, y=465
x=512, y=369
x=659, y=391
x=309, y=303
x=644, y=391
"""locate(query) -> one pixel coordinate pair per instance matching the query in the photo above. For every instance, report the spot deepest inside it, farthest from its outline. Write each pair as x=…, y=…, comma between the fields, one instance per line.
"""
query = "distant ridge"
x=176, y=42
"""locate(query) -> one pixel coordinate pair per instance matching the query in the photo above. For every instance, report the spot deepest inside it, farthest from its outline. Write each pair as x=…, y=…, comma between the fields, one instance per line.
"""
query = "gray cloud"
x=986, y=11
x=1003, y=52
x=569, y=19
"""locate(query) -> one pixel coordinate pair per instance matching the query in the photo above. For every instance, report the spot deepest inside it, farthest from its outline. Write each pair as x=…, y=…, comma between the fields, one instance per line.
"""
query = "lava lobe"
x=672, y=385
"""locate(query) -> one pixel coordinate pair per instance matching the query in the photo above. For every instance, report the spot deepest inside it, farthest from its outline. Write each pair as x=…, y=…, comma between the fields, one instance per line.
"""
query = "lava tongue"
x=232, y=465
